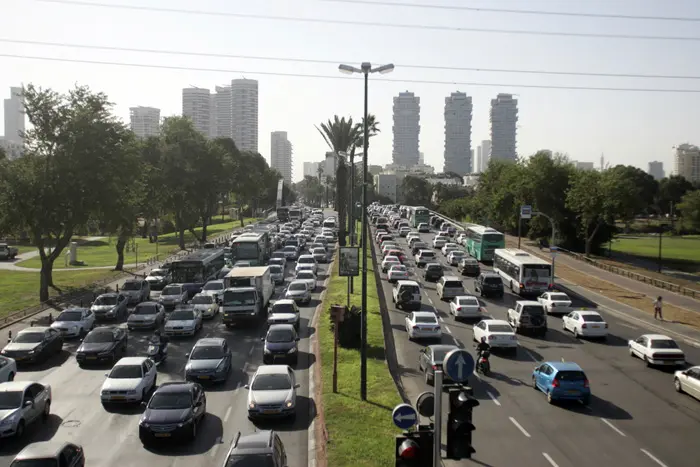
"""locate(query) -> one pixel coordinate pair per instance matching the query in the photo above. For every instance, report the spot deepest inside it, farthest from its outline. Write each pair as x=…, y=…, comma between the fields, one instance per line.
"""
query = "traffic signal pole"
x=437, y=417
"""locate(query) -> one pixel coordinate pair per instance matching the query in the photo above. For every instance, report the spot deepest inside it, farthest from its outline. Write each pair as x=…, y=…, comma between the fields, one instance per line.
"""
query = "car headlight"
x=221, y=366
x=266, y=350
x=106, y=352
x=186, y=422
x=252, y=405
x=292, y=350
x=31, y=352
x=289, y=404
x=9, y=420
x=143, y=423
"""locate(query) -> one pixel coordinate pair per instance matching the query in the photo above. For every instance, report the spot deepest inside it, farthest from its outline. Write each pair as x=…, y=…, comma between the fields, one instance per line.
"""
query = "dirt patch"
x=652, y=274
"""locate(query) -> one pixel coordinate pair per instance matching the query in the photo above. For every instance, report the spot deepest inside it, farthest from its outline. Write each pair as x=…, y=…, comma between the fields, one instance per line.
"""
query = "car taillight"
x=554, y=305
x=491, y=337
x=586, y=384
x=435, y=367
x=584, y=326
x=416, y=327
x=555, y=383
x=606, y=325
x=522, y=286
x=459, y=308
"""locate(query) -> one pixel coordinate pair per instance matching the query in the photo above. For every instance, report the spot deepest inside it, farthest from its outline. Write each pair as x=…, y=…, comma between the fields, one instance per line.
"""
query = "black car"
x=489, y=284
x=280, y=344
x=433, y=272
x=34, y=344
x=262, y=449
x=469, y=266
x=107, y=343
x=173, y=412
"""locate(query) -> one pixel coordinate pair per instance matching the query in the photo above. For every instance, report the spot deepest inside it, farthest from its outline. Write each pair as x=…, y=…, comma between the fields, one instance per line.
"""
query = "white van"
x=401, y=288
x=329, y=223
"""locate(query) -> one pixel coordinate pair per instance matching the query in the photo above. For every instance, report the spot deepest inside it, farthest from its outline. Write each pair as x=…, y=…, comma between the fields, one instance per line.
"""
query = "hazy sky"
x=628, y=127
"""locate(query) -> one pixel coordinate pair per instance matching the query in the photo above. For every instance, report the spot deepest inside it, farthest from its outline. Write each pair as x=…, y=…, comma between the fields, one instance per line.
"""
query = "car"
x=398, y=253
x=280, y=343
x=74, y=322
x=423, y=227
x=319, y=254
x=206, y=305
x=465, y=306
x=448, y=247
x=489, y=284
x=562, y=381
x=158, y=278
x=406, y=287
x=34, y=344
x=657, y=349
x=23, y=404
x=449, y=287
x=281, y=262
x=173, y=412
x=146, y=315
x=50, y=453
x=186, y=320
x=430, y=359
x=498, y=333
x=403, y=231
x=307, y=262
x=688, y=381
x=136, y=290
x=397, y=272
x=455, y=256
x=284, y=312
x=110, y=306
x=261, y=447
x=8, y=369
x=389, y=261
x=298, y=291
x=209, y=360
x=555, y=303
x=439, y=242
x=423, y=325
x=424, y=257
x=276, y=274
x=107, y=343
x=528, y=316
x=418, y=246
x=173, y=295
x=308, y=276
x=130, y=380
x=468, y=266
x=290, y=252
x=585, y=323
x=272, y=392
x=387, y=247
x=280, y=256
x=215, y=288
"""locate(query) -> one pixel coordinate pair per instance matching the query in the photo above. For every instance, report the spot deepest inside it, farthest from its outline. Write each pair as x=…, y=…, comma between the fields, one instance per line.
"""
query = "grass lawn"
x=21, y=289
x=673, y=248
x=103, y=252
x=360, y=433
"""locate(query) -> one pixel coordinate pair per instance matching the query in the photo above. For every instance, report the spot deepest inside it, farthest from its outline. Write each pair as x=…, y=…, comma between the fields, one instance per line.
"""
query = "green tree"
x=670, y=192
x=690, y=209
x=416, y=191
x=3, y=154
x=633, y=190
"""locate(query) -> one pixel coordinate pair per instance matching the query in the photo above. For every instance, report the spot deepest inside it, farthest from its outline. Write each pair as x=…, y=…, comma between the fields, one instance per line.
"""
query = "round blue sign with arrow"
x=458, y=365
x=404, y=416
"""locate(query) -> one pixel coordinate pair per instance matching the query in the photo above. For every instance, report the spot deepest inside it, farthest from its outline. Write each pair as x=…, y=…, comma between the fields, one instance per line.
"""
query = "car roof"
x=451, y=278
x=258, y=442
x=565, y=366
x=280, y=327
x=284, y=301
x=443, y=347
x=132, y=280
x=108, y=294
x=407, y=283
x=34, y=329
x=175, y=386
x=306, y=256
x=424, y=313
x=215, y=281
x=657, y=337
x=497, y=321
x=469, y=297
x=15, y=385
x=75, y=308
x=529, y=303
x=490, y=274
x=210, y=341
x=41, y=449
x=587, y=312
x=130, y=361
x=273, y=369
x=149, y=303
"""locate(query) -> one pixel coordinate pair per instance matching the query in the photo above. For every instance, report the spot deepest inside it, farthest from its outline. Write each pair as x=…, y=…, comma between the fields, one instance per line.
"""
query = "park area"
x=676, y=249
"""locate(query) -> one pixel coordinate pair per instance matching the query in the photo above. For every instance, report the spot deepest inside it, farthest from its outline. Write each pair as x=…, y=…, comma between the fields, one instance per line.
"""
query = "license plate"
x=572, y=393
x=270, y=411
x=162, y=435
x=17, y=359
x=91, y=358
x=204, y=377
x=118, y=398
x=595, y=326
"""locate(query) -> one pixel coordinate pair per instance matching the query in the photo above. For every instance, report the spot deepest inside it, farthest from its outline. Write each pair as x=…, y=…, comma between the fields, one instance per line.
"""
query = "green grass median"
x=360, y=433
x=685, y=249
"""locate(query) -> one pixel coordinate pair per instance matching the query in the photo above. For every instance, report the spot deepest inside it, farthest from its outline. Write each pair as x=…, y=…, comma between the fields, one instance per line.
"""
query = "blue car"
x=562, y=381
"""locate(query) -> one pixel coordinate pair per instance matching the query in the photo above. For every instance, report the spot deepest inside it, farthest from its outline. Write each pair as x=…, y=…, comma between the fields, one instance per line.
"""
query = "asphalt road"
x=636, y=417
x=111, y=438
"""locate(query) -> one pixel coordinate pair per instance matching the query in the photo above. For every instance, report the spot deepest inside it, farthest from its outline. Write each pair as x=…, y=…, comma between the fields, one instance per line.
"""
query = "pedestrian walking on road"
x=658, y=313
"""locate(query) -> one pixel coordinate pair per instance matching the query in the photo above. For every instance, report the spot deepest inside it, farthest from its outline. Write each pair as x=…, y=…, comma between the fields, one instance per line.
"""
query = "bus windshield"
x=493, y=237
x=188, y=273
x=246, y=250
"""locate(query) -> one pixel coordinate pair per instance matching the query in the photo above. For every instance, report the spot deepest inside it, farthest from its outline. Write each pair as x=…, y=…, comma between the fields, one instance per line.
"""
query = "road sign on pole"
x=404, y=416
x=525, y=212
x=459, y=365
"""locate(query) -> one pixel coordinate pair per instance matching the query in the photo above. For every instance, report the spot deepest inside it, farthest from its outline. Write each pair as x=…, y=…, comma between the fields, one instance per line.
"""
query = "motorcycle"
x=154, y=354
x=482, y=365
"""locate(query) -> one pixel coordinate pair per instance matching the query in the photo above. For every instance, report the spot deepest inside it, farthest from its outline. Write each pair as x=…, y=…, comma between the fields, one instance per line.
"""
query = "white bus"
x=524, y=273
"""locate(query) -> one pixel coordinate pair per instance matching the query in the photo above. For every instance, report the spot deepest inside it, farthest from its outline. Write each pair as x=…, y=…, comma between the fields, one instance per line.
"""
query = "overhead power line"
x=335, y=62
x=375, y=24
x=315, y=76
x=519, y=12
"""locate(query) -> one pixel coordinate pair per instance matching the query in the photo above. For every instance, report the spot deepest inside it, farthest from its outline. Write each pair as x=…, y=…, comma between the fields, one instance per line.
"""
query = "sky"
x=627, y=127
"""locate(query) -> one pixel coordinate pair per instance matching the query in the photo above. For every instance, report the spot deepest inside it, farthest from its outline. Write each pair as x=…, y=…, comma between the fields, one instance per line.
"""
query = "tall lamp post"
x=365, y=69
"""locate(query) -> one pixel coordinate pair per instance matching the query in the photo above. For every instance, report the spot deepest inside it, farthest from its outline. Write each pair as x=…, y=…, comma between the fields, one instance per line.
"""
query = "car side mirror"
x=298, y=339
x=684, y=372
x=187, y=355
x=246, y=386
x=81, y=340
x=262, y=339
x=107, y=375
x=28, y=403
x=537, y=370
x=297, y=386
x=144, y=404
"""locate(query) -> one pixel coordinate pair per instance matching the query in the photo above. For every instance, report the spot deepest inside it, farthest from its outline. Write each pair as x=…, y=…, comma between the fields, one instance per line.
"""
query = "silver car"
x=319, y=254
x=110, y=306
x=298, y=291
x=158, y=278
x=210, y=360
x=184, y=321
x=74, y=322
x=173, y=295
x=214, y=288
x=22, y=403
x=146, y=315
x=277, y=274
x=136, y=290
x=272, y=392
x=8, y=369
x=308, y=276
x=207, y=305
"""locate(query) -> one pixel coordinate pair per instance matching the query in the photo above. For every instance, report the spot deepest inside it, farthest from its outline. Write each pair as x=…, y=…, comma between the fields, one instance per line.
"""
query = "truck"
x=247, y=293
x=528, y=315
x=7, y=251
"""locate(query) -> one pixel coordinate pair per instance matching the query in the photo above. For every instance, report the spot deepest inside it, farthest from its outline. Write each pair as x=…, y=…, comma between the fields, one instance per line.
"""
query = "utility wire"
x=336, y=62
x=374, y=24
x=315, y=76
x=519, y=12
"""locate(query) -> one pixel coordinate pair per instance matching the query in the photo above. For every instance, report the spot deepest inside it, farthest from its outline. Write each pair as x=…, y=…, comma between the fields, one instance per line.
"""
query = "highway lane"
x=636, y=414
x=111, y=437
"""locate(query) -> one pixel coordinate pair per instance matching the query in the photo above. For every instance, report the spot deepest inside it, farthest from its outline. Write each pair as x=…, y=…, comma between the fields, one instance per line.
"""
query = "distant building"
x=244, y=113
x=375, y=169
x=686, y=162
x=485, y=154
x=477, y=161
x=15, y=117
x=584, y=165
x=145, y=121
x=504, y=121
x=406, y=129
x=12, y=149
x=458, y=133
x=386, y=185
x=656, y=170
x=421, y=158
x=281, y=155
x=222, y=113
x=329, y=165
x=311, y=169
x=197, y=106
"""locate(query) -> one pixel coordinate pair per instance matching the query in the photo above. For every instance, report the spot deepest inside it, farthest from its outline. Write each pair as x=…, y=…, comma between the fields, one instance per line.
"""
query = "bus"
x=255, y=247
x=198, y=267
x=295, y=214
x=418, y=215
x=483, y=241
x=524, y=273
x=283, y=214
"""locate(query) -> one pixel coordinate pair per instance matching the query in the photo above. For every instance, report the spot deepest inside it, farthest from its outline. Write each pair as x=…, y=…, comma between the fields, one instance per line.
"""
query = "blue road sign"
x=404, y=416
x=459, y=365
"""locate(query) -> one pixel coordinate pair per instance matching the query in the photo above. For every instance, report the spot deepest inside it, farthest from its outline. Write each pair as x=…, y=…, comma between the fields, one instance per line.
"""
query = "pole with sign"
x=337, y=315
x=525, y=213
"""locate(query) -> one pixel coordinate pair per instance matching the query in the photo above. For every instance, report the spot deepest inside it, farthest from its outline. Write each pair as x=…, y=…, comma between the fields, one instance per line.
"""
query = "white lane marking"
x=493, y=398
x=522, y=430
x=448, y=330
x=652, y=457
x=628, y=325
x=530, y=356
x=430, y=300
x=617, y=430
x=250, y=352
x=228, y=413
x=550, y=460
x=215, y=448
x=442, y=319
x=691, y=343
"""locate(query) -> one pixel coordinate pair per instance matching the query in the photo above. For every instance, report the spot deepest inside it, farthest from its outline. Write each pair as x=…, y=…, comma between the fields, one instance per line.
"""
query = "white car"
x=74, y=322
x=461, y=239
x=307, y=260
x=8, y=369
x=423, y=325
x=131, y=380
x=465, y=306
x=397, y=272
x=498, y=333
x=272, y=392
x=412, y=235
x=403, y=231
x=423, y=227
x=388, y=246
x=389, y=261
x=205, y=304
x=555, y=303
x=688, y=381
x=299, y=292
x=290, y=252
x=455, y=256
x=214, y=288
x=439, y=242
x=183, y=321
x=284, y=312
x=657, y=349
x=309, y=277
x=585, y=323
x=449, y=247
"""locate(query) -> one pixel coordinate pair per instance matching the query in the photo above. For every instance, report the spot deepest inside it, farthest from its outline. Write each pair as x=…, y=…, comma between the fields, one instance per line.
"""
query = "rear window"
x=571, y=376
x=559, y=296
x=492, y=280
x=412, y=288
x=453, y=284
x=500, y=328
x=427, y=254
x=434, y=267
x=533, y=310
x=592, y=318
x=426, y=319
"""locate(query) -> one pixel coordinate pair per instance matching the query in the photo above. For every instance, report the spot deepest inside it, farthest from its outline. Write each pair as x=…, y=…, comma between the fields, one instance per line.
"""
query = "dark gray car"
x=280, y=344
x=431, y=358
x=210, y=360
x=261, y=449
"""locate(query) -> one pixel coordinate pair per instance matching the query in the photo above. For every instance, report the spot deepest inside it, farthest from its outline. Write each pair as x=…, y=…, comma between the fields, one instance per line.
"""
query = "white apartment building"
x=386, y=185
x=406, y=129
x=686, y=162
x=421, y=158
x=196, y=105
x=244, y=113
x=14, y=116
x=584, y=165
x=656, y=170
x=145, y=121
x=458, y=133
x=485, y=154
x=222, y=113
x=329, y=165
x=477, y=161
x=504, y=121
x=311, y=169
x=281, y=155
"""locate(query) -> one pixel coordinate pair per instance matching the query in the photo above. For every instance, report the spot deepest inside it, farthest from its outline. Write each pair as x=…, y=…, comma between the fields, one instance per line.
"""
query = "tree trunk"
x=46, y=277
x=121, y=243
x=204, y=228
x=240, y=213
x=589, y=238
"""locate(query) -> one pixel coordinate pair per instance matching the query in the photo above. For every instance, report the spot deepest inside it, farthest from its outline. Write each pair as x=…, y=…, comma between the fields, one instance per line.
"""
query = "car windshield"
x=559, y=296
x=426, y=319
x=469, y=301
x=271, y=382
x=145, y=310
x=214, y=286
x=235, y=298
x=275, y=269
x=592, y=318
x=171, y=291
x=571, y=376
x=106, y=300
x=251, y=460
x=306, y=260
x=500, y=328
x=10, y=399
x=181, y=315
x=170, y=401
x=305, y=275
x=280, y=335
x=131, y=286
x=297, y=286
x=283, y=308
x=398, y=268
x=99, y=337
x=207, y=352
x=439, y=354
x=159, y=273
x=29, y=338
x=70, y=316
x=45, y=462
x=126, y=372
x=663, y=344
x=391, y=259
x=290, y=248
x=202, y=300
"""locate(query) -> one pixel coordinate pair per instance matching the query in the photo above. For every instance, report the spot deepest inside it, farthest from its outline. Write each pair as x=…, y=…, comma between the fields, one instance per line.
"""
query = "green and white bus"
x=482, y=241
x=255, y=247
x=418, y=215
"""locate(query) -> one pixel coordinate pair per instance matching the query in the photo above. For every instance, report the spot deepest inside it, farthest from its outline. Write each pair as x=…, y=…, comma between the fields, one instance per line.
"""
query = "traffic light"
x=459, y=424
x=415, y=449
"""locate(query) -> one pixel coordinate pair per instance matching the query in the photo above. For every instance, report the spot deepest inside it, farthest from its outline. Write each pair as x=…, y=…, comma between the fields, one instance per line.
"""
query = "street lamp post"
x=365, y=69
